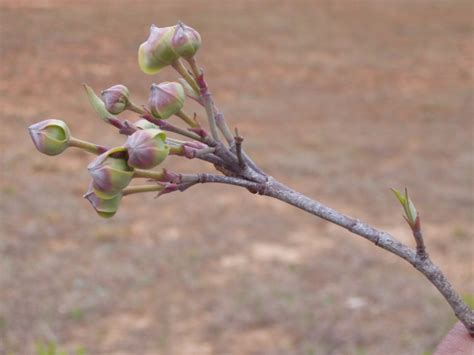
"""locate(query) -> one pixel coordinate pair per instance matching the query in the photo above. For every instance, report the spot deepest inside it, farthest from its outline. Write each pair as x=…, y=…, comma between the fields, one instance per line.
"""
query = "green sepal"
x=98, y=105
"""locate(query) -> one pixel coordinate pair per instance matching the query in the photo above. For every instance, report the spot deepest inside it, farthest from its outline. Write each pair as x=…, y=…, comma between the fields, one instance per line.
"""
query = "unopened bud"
x=156, y=52
x=147, y=148
x=105, y=207
x=116, y=99
x=51, y=137
x=145, y=124
x=110, y=174
x=186, y=40
x=166, y=99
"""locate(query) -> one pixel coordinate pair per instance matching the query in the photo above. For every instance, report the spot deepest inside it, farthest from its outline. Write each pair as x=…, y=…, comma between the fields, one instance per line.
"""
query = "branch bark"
x=381, y=239
x=275, y=189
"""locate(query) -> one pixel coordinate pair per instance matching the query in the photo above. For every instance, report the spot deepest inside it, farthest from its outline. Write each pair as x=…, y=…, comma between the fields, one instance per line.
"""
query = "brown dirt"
x=339, y=100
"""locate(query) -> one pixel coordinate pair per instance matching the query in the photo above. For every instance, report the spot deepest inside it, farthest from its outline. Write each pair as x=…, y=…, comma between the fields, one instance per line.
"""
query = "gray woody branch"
x=240, y=170
x=384, y=240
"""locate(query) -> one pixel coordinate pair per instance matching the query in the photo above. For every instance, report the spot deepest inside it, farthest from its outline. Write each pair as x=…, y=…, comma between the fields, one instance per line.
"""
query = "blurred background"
x=340, y=100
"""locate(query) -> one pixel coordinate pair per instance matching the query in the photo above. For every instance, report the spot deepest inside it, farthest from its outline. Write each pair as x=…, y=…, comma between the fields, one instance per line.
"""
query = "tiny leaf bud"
x=116, y=99
x=411, y=213
x=166, y=99
x=156, y=52
x=147, y=148
x=105, y=207
x=51, y=137
x=186, y=40
x=110, y=174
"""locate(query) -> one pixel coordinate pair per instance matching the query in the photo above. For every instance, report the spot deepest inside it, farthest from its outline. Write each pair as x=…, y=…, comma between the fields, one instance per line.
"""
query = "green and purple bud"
x=110, y=174
x=157, y=52
x=51, y=137
x=166, y=99
x=116, y=99
x=147, y=148
x=186, y=40
x=105, y=207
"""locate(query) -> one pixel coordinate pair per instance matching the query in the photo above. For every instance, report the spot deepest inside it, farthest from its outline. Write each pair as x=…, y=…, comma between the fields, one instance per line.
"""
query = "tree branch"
x=381, y=239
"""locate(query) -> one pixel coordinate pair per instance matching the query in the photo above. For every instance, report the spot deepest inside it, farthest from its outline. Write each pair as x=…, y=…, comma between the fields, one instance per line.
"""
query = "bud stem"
x=87, y=146
x=135, y=108
x=186, y=118
x=224, y=128
x=141, y=188
x=174, y=142
x=150, y=174
x=166, y=126
x=194, y=66
x=181, y=69
x=208, y=104
x=205, y=151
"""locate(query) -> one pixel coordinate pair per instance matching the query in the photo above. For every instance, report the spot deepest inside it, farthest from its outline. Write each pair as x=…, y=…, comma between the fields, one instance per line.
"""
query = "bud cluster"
x=147, y=145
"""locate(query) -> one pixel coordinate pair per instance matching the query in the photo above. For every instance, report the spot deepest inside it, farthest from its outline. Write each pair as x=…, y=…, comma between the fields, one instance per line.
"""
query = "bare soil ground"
x=340, y=100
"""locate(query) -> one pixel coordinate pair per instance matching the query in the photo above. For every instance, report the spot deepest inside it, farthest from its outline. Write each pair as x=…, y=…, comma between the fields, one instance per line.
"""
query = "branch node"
x=377, y=241
x=202, y=178
x=261, y=188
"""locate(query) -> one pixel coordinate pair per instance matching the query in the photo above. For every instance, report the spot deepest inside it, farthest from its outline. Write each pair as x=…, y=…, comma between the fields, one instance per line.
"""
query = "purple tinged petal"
x=104, y=207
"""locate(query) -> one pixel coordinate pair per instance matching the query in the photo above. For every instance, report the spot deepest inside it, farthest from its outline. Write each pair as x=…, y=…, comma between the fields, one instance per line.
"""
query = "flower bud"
x=156, y=52
x=51, y=137
x=147, y=148
x=186, y=40
x=166, y=99
x=105, y=207
x=110, y=174
x=116, y=99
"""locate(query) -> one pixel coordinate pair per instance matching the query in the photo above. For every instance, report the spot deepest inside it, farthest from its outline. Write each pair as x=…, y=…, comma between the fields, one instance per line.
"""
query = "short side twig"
x=238, y=148
x=420, y=244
